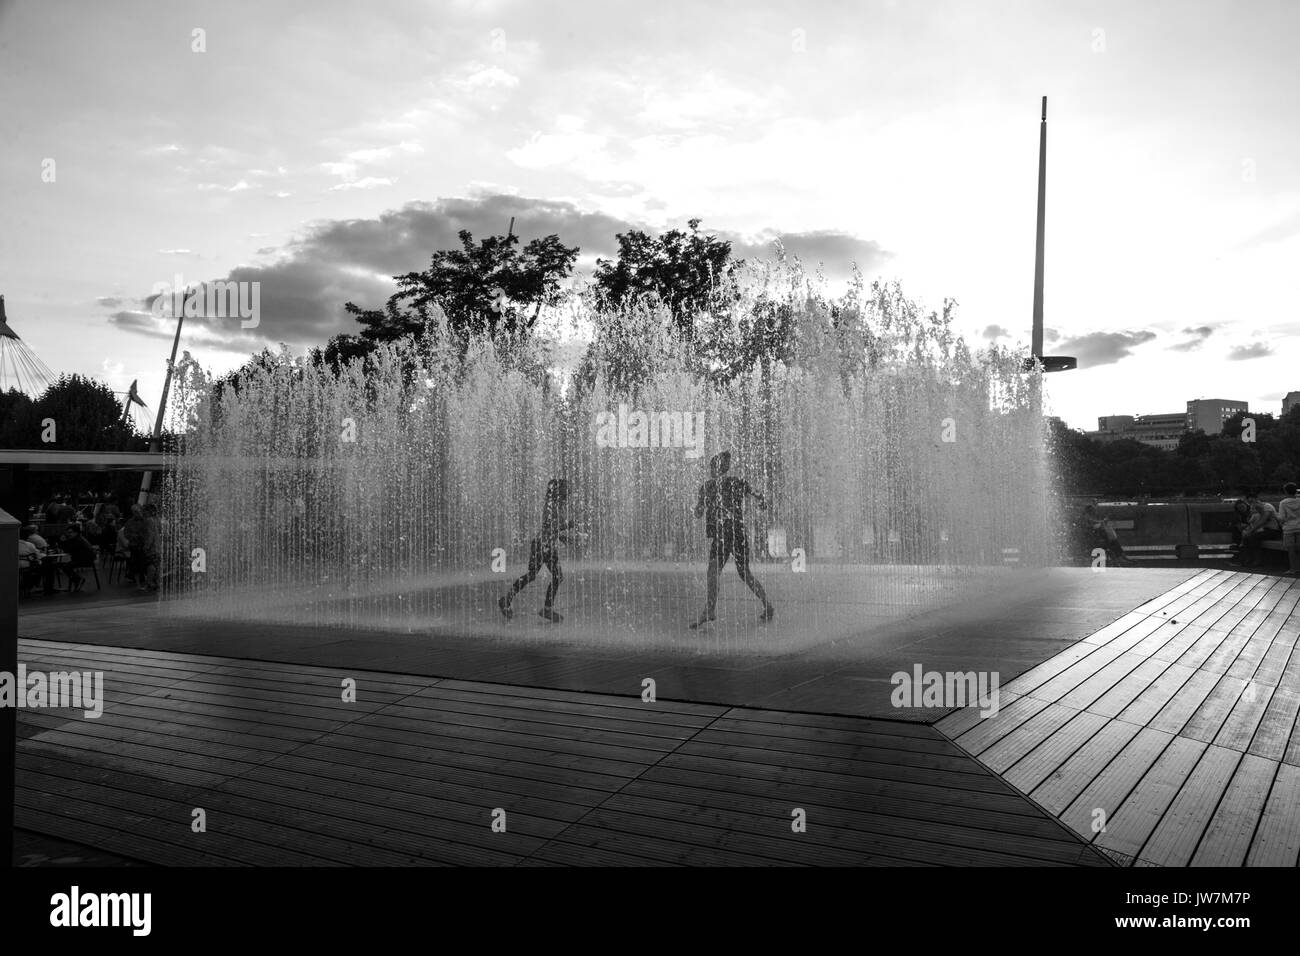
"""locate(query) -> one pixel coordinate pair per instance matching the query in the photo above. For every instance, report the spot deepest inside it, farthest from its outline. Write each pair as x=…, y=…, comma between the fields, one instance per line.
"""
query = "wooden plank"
x=232, y=840
x=1238, y=730
x=862, y=840
x=937, y=770
x=631, y=701
x=1015, y=745
x=782, y=737
x=1043, y=760
x=1139, y=798
x=1175, y=714
x=1175, y=839
x=1277, y=838
x=1036, y=677
x=1107, y=790
x=614, y=834
x=1210, y=716
x=1271, y=666
x=1275, y=727
x=851, y=813
x=1128, y=688
x=1089, y=691
x=1227, y=838
x=1185, y=637
x=831, y=722
x=134, y=846
x=566, y=854
x=1161, y=691
x=992, y=729
x=964, y=718
x=1063, y=786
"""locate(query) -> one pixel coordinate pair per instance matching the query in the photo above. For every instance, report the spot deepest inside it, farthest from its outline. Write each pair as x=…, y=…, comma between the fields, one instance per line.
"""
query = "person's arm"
x=762, y=502
x=699, y=503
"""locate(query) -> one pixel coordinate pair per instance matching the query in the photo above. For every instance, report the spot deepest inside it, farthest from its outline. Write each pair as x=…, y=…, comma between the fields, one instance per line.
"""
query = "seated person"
x=1241, y=515
x=29, y=562
x=1264, y=526
x=35, y=555
x=1100, y=533
x=81, y=551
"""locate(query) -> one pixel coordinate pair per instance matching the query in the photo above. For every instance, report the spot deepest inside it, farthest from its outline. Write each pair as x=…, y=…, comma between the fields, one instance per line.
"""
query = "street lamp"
x=1050, y=363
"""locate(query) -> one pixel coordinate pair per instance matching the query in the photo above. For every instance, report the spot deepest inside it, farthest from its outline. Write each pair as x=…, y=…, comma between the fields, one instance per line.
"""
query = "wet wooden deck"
x=415, y=770
x=1168, y=737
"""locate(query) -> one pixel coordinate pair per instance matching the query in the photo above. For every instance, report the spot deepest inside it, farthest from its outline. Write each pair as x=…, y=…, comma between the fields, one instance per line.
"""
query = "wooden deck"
x=1175, y=727
x=412, y=772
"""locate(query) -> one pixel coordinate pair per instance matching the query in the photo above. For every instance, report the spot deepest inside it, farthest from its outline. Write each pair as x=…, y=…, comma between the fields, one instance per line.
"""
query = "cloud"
x=1104, y=348
x=177, y=252
x=110, y=301
x=304, y=288
x=351, y=163
x=239, y=187
x=995, y=332
x=1240, y=353
x=1199, y=334
x=566, y=147
x=486, y=77
x=141, y=323
x=836, y=251
x=370, y=182
x=1280, y=231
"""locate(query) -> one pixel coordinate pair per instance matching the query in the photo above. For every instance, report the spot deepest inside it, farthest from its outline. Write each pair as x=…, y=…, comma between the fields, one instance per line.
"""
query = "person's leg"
x=1292, y=542
x=552, y=560
x=717, y=558
x=525, y=579
x=742, y=568
x=1249, y=549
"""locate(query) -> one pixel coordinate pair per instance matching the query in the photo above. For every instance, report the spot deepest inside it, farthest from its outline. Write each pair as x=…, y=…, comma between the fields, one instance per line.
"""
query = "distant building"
x=1159, y=431
x=1291, y=401
x=1209, y=414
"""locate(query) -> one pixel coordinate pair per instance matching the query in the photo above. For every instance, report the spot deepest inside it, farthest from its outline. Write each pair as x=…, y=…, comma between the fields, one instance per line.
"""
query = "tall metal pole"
x=156, y=441
x=1036, y=342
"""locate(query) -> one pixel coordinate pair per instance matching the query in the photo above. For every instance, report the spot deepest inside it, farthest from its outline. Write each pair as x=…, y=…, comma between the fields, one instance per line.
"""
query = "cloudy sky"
x=322, y=148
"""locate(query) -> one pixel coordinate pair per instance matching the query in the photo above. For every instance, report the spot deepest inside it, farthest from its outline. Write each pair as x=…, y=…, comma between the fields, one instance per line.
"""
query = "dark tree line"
x=1218, y=465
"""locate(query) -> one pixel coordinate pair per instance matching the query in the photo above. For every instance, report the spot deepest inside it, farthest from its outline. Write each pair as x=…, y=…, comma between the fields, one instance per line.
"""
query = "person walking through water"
x=722, y=502
x=545, y=551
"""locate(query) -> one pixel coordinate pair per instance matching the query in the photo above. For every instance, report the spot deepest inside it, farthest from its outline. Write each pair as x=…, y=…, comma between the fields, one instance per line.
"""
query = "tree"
x=17, y=420
x=687, y=272
x=86, y=415
x=488, y=289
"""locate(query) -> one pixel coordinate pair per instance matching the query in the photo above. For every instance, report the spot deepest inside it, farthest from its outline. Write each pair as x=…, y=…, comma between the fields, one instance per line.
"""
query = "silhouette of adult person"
x=721, y=502
x=544, y=551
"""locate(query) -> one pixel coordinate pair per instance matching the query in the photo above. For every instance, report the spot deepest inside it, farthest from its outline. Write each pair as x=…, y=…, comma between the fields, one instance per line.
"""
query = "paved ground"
x=1006, y=630
x=1170, y=736
x=1165, y=699
x=416, y=771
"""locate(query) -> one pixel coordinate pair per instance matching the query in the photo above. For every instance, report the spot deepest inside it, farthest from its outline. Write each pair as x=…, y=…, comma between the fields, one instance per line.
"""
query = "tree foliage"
x=687, y=272
x=490, y=289
x=1202, y=464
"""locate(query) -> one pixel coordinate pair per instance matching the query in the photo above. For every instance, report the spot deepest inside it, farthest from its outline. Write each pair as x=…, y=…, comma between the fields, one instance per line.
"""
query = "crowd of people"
x=87, y=530
x=1258, y=521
